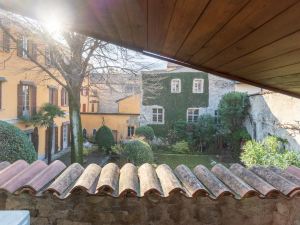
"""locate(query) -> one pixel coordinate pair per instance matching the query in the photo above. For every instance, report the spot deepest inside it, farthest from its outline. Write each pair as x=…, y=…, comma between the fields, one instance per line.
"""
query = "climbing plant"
x=174, y=104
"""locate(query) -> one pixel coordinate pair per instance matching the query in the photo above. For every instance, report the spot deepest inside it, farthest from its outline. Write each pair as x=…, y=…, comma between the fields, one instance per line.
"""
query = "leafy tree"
x=145, y=131
x=15, y=145
x=204, y=131
x=269, y=152
x=233, y=109
x=45, y=118
x=104, y=139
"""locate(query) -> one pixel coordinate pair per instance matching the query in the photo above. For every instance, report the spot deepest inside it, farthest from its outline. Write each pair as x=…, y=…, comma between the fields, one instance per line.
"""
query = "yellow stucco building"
x=24, y=88
x=123, y=123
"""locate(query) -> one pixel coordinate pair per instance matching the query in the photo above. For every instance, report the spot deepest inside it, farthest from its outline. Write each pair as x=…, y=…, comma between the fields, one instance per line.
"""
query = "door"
x=65, y=136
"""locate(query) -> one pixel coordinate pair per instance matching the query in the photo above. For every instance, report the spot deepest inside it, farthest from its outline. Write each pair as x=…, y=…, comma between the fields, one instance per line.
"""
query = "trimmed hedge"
x=104, y=138
x=15, y=145
x=145, y=131
x=138, y=152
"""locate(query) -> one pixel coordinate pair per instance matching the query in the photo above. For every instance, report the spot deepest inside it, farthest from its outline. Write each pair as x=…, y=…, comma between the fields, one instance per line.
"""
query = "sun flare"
x=52, y=24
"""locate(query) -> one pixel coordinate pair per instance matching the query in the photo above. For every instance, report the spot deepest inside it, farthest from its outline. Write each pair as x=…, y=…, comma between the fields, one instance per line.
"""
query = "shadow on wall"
x=269, y=113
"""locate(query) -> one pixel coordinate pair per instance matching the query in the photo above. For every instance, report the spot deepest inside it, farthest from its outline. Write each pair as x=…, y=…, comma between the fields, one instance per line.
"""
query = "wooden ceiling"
x=253, y=41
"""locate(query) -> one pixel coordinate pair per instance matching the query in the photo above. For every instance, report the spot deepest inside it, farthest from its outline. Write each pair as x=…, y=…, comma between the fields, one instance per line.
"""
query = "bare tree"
x=75, y=57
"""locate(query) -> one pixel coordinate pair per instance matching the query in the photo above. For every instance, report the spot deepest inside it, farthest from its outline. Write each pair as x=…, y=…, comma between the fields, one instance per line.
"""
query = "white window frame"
x=157, y=114
x=174, y=88
x=26, y=100
x=196, y=87
x=193, y=115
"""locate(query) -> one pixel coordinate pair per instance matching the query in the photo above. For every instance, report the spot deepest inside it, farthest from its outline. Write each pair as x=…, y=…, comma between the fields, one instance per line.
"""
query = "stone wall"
x=90, y=210
x=270, y=113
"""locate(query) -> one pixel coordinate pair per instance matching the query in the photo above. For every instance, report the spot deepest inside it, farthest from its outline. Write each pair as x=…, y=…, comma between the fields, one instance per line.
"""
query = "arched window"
x=175, y=86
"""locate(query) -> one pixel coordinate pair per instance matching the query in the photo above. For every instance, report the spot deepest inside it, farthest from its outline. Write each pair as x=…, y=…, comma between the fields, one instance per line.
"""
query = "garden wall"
x=88, y=210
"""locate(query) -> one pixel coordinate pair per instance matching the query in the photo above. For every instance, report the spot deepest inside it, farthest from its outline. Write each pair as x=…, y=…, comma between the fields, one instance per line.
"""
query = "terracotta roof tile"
x=236, y=184
x=130, y=181
x=253, y=180
x=211, y=182
x=149, y=183
x=189, y=181
x=285, y=186
x=169, y=183
x=109, y=178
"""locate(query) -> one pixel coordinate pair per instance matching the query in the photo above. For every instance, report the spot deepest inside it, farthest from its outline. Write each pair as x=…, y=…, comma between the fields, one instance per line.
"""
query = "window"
x=130, y=131
x=175, y=86
x=22, y=47
x=48, y=57
x=26, y=100
x=192, y=115
x=217, y=117
x=53, y=96
x=64, y=97
x=158, y=115
x=198, y=85
x=84, y=91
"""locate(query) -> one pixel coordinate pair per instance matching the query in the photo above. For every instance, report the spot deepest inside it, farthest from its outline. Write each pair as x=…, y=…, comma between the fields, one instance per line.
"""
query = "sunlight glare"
x=52, y=24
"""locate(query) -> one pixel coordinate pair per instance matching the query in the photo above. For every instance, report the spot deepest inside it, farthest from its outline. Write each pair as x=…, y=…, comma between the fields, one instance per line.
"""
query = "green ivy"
x=175, y=104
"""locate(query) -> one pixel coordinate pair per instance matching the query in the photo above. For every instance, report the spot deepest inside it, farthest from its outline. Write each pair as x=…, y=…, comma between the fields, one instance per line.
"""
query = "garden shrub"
x=180, y=128
x=269, y=152
x=136, y=151
x=181, y=147
x=145, y=131
x=104, y=139
x=14, y=144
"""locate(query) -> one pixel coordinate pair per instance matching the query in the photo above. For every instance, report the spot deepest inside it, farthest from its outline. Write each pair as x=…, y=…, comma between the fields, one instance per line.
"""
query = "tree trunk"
x=50, y=133
x=76, y=128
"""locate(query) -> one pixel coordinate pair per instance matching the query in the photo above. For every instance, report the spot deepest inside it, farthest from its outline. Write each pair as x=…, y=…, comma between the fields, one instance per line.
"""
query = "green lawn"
x=191, y=161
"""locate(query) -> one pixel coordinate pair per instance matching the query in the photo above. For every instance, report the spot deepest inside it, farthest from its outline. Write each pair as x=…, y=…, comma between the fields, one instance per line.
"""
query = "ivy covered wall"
x=175, y=104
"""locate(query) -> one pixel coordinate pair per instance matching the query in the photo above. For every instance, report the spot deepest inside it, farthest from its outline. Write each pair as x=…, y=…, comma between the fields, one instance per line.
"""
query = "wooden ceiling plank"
x=118, y=12
x=269, y=52
x=273, y=63
x=282, y=71
x=186, y=14
x=255, y=14
x=159, y=17
x=279, y=27
x=215, y=16
x=137, y=14
x=104, y=19
x=282, y=79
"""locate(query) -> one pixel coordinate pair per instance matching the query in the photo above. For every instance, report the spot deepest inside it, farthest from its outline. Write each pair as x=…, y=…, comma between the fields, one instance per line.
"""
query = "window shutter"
x=62, y=97
x=19, y=100
x=29, y=48
x=56, y=139
x=6, y=42
x=34, y=51
x=61, y=137
x=20, y=47
x=33, y=99
x=56, y=97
